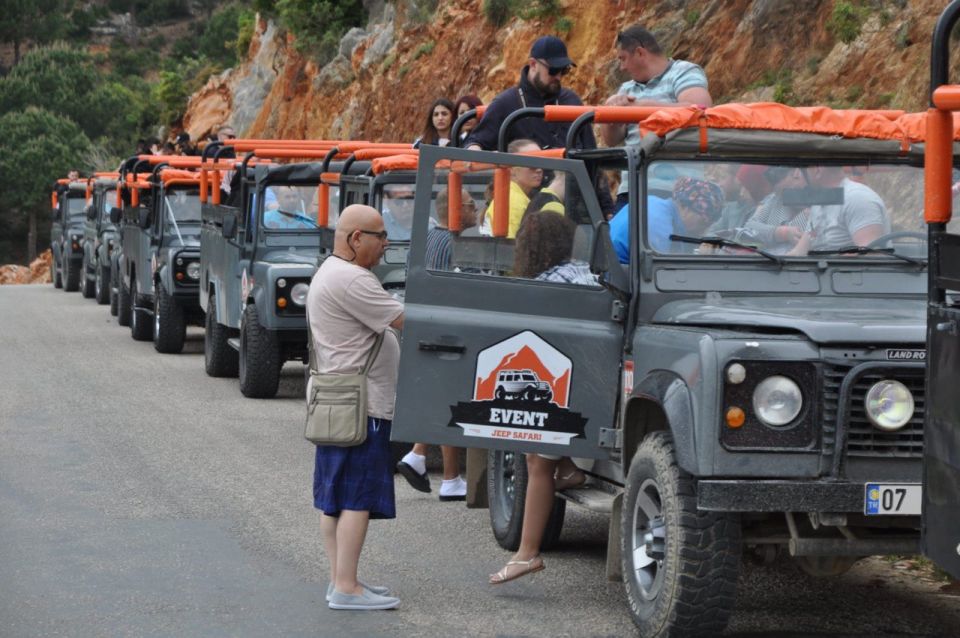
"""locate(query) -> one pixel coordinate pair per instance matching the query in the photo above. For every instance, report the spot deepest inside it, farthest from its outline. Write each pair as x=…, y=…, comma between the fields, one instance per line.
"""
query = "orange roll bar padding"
x=947, y=98
x=203, y=187
x=501, y=201
x=374, y=153
x=167, y=174
x=215, y=186
x=119, y=197
x=395, y=163
x=601, y=114
x=454, y=201
x=323, y=204
x=938, y=167
x=292, y=153
x=333, y=179
x=54, y=202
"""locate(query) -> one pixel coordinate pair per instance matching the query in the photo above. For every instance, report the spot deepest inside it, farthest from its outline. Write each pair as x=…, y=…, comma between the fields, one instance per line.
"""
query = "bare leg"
x=328, y=529
x=419, y=448
x=351, y=532
x=451, y=461
x=537, y=506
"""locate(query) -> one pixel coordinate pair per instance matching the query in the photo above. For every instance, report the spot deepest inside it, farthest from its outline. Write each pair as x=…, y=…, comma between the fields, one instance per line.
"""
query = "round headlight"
x=777, y=400
x=298, y=294
x=193, y=270
x=889, y=405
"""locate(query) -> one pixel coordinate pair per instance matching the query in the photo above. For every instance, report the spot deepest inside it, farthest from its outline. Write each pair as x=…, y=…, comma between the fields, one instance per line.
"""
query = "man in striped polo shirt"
x=655, y=79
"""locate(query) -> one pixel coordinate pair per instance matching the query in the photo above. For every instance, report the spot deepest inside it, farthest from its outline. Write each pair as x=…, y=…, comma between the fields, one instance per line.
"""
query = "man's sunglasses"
x=380, y=234
x=555, y=70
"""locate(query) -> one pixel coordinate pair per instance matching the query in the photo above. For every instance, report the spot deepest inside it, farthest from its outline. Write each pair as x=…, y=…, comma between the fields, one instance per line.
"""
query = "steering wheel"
x=883, y=239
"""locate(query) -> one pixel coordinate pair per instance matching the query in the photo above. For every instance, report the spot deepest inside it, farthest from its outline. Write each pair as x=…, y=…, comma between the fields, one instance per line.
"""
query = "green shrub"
x=537, y=9
x=846, y=21
x=318, y=25
x=497, y=12
x=563, y=26
x=424, y=49
x=388, y=61
x=246, y=24
x=691, y=17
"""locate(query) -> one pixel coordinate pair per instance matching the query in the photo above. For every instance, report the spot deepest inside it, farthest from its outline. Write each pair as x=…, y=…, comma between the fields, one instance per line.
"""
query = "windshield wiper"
x=720, y=242
x=867, y=250
x=298, y=217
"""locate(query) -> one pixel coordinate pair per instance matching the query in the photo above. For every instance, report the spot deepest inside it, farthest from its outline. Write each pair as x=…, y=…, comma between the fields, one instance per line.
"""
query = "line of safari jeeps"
x=726, y=393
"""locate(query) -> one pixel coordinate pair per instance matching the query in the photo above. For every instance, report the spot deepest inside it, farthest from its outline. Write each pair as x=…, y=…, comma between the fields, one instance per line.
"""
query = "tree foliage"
x=37, y=21
x=317, y=25
x=39, y=147
x=65, y=81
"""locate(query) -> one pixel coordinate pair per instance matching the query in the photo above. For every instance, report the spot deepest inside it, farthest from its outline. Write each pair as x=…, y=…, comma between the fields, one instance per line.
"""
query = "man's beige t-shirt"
x=348, y=309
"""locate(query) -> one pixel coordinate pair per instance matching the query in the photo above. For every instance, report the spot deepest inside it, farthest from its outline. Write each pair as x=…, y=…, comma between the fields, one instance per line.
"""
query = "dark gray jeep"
x=160, y=242
x=66, y=234
x=743, y=373
x=100, y=238
x=258, y=253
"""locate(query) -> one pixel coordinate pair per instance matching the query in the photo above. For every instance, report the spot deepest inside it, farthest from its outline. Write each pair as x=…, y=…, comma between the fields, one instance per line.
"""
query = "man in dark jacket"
x=539, y=85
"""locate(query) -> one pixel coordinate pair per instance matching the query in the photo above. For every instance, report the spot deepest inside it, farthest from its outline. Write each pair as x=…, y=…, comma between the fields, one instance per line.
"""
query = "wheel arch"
x=661, y=401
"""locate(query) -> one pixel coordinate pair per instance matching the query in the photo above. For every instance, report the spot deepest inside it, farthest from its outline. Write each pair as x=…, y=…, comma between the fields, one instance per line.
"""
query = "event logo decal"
x=521, y=392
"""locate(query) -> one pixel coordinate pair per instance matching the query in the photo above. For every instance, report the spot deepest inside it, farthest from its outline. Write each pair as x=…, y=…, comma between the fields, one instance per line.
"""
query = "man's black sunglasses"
x=556, y=70
x=380, y=234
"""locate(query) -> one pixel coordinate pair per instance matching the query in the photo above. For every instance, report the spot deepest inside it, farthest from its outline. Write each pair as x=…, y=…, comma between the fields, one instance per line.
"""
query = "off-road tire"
x=141, y=326
x=507, y=489
x=57, y=276
x=101, y=286
x=691, y=588
x=124, y=305
x=86, y=284
x=71, y=276
x=259, y=357
x=220, y=360
x=169, y=323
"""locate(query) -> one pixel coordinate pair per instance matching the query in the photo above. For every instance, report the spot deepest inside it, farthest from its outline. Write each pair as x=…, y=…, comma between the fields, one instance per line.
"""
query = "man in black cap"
x=539, y=85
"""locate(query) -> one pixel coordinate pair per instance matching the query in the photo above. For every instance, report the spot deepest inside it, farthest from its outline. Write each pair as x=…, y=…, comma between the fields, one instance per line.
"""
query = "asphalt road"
x=139, y=497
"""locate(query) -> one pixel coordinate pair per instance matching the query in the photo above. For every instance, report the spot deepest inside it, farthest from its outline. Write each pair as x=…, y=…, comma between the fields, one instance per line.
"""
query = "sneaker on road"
x=367, y=601
x=413, y=468
x=377, y=589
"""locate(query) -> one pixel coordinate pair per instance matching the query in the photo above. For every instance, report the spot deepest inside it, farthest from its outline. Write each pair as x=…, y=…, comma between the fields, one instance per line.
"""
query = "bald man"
x=347, y=309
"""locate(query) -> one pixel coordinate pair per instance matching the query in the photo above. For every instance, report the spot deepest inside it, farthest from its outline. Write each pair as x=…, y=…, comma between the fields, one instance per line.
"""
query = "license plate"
x=897, y=499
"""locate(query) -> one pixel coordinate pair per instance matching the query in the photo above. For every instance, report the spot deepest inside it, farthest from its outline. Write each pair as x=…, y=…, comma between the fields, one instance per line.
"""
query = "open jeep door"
x=491, y=359
x=941, y=472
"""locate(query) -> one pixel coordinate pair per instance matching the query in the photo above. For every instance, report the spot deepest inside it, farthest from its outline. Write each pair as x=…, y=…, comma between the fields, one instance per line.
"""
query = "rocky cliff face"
x=386, y=75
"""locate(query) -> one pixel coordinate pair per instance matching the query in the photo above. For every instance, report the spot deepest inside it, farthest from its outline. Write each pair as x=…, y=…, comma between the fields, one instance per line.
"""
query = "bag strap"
x=311, y=349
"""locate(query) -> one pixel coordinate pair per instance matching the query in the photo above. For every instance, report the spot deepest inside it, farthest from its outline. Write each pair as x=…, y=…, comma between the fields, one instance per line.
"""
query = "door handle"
x=440, y=347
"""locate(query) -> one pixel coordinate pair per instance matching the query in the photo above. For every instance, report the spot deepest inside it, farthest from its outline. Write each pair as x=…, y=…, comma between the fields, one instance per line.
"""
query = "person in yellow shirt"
x=524, y=182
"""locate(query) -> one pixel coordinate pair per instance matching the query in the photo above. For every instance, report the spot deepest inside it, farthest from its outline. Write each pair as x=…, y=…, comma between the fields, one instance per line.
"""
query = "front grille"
x=863, y=439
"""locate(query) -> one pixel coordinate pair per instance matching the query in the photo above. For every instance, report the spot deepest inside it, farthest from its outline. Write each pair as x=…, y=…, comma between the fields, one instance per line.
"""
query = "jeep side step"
x=591, y=497
x=234, y=342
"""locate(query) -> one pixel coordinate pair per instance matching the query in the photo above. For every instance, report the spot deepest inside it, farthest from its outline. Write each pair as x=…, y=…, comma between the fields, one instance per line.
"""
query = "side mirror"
x=143, y=218
x=115, y=214
x=604, y=262
x=229, y=226
x=91, y=213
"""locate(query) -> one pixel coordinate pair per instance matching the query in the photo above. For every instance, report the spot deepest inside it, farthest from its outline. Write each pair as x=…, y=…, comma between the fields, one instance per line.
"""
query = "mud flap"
x=614, y=564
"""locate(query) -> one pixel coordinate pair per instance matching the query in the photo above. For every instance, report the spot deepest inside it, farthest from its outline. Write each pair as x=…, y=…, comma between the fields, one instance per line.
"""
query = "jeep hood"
x=822, y=319
x=289, y=257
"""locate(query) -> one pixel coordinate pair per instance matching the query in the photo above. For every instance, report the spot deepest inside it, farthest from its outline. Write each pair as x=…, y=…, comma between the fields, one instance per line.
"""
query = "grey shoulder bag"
x=337, y=403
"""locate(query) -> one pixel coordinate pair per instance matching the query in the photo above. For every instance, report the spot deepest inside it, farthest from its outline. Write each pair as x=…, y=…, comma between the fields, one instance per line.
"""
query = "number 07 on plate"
x=896, y=499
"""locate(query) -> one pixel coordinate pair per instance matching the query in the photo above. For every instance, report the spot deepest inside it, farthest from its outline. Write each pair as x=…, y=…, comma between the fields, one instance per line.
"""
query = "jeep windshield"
x=291, y=208
x=109, y=200
x=75, y=209
x=834, y=212
x=183, y=207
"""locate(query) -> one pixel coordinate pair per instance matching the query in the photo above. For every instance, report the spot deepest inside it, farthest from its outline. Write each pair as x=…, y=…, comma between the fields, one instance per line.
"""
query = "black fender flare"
x=661, y=401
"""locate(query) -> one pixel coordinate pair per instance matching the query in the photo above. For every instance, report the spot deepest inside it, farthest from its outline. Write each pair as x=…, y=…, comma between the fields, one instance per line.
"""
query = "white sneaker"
x=453, y=490
x=367, y=601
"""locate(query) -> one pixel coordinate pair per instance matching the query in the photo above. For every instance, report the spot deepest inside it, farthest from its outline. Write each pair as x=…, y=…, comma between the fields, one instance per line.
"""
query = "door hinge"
x=611, y=438
x=618, y=310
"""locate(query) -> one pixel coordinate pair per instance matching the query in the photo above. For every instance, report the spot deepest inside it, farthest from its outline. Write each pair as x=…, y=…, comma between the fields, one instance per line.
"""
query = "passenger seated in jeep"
x=524, y=183
x=288, y=212
x=776, y=226
x=859, y=220
x=693, y=207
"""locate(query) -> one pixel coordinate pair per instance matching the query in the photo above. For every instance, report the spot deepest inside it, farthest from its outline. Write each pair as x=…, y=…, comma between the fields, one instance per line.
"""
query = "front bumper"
x=734, y=495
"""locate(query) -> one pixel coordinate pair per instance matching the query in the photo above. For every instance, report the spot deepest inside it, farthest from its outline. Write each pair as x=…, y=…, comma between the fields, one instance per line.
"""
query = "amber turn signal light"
x=735, y=418
x=179, y=276
x=282, y=302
